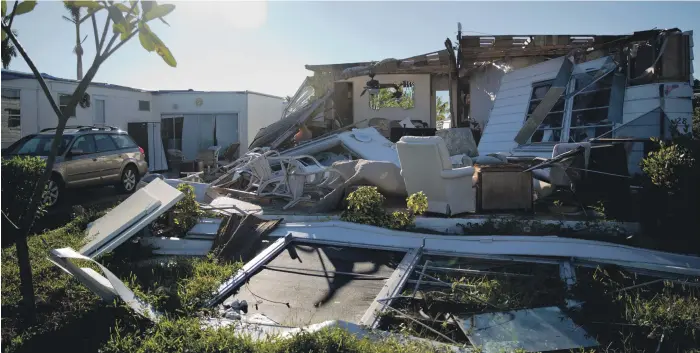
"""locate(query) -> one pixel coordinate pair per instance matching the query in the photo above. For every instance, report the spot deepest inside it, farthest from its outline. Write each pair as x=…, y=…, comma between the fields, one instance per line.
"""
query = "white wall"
x=121, y=105
x=639, y=100
x=423, y=99
x=180, y=103
x=263, y=110
x=484, y=84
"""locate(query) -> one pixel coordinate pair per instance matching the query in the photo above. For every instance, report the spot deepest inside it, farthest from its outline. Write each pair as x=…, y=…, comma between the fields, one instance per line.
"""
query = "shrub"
x=669, y=166
x=365, y=206
x=19, y=177
x=184, y=215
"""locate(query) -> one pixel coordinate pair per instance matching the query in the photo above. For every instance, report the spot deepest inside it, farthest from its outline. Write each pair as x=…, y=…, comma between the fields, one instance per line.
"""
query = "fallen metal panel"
x=123, y=216
x=359, y=235
x=206, y=227
x=249, y=269
x=109, y=231
x=547, y=103
x=177, y=246
x=391, y=289
x=532, y=330
x=108, y=287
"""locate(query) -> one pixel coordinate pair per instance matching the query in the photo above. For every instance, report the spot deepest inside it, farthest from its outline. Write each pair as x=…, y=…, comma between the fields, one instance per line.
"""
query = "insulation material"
x=369, y=144
x=157, y=159
x=129, y=217
x=108, y=287
x=550, y=99
x=531, y=330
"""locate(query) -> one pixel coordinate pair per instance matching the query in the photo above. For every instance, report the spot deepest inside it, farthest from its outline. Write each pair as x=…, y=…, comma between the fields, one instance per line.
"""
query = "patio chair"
x=426, y=167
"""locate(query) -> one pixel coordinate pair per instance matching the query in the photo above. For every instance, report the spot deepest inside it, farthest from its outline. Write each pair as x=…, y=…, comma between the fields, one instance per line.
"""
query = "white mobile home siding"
x=510, y=107
x=263, y=110
x=484, y=84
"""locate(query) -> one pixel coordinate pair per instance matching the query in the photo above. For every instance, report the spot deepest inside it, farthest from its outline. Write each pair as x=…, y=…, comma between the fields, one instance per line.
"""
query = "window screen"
x=145, y=106
x=11, y=108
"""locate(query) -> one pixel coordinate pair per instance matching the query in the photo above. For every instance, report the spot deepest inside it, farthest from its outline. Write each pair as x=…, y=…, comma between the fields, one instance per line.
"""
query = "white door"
x=99, y=111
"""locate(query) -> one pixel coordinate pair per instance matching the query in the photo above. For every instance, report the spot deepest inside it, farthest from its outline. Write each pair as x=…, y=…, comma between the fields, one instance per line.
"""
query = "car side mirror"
x=76, y=152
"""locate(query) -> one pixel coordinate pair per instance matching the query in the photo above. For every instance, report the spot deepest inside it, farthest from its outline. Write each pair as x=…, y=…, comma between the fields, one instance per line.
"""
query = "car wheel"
x=129, y=179
x=51, y=192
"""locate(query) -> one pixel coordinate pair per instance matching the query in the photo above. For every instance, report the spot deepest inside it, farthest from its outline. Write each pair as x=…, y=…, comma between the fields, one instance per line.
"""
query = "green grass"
x=187, y=335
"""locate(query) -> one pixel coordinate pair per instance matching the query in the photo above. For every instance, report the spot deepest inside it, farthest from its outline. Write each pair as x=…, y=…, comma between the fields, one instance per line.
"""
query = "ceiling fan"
x=373, y=86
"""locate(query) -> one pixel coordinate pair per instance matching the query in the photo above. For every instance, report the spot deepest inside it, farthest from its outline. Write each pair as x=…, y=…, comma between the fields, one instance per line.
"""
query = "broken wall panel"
x=129, y=217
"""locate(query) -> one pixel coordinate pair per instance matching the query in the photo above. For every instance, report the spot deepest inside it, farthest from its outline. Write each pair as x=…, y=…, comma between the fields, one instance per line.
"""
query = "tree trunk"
x=78, y=52
x=27, y=221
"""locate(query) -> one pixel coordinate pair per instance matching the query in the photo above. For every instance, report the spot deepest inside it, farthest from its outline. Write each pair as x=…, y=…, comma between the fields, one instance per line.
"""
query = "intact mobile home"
x=188, y=120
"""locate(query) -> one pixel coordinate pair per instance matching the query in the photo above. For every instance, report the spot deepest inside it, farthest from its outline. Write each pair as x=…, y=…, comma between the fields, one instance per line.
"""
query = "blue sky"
x=263, y=46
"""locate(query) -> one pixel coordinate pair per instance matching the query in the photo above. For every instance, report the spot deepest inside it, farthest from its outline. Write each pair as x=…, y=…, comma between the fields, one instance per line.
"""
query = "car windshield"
x=41, y=146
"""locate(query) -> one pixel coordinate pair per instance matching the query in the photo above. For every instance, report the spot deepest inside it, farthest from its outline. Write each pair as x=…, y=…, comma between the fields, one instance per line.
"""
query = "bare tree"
x=127, y=21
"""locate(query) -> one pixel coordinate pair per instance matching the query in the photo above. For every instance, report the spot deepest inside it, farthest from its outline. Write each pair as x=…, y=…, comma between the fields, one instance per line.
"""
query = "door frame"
x=95, y=98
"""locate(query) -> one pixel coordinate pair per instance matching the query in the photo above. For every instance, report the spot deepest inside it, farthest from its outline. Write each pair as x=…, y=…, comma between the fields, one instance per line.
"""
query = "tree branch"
x=94, y=29
x=35, y=71
x=104, y=36
x=106, y=55
x=12, y=15
x=111, y=42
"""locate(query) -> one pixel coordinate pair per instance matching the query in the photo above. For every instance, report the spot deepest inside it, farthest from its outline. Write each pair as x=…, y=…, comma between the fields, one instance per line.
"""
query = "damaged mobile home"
x=532, y=116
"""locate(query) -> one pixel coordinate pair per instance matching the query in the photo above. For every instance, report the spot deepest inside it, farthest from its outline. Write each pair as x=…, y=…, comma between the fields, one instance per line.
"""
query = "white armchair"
x=426, y=166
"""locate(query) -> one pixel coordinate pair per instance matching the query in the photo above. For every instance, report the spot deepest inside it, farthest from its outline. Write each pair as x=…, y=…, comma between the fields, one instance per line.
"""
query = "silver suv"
x=88, y=156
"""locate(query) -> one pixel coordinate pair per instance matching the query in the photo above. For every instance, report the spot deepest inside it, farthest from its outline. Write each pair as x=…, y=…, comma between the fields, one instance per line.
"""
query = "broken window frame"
x=569, y=96
x=531, y=108
x=573, y=87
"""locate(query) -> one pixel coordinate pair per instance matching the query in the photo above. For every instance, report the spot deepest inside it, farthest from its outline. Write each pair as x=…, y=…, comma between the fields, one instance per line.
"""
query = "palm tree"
x=441, y=108
x=78, y=50
x=8, y=51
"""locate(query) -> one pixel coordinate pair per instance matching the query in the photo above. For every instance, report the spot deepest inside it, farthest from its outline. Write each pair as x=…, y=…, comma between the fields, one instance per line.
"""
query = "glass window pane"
x=586, y=133
x=85, y=143
x=123, y=141
x=104, y=143
x=540, y=90
x=590, y=117
x=546, y=135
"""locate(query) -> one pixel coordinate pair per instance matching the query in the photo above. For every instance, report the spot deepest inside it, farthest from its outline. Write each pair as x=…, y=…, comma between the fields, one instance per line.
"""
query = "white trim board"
x=359, y=235
x=118, y=225
x=107, y=287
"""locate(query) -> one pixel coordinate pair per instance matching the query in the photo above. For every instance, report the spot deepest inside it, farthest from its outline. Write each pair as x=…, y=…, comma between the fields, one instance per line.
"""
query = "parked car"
x=87, y=156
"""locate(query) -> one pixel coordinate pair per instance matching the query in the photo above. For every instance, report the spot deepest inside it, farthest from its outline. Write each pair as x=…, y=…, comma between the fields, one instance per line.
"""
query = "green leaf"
x=25, y=6
x=4, y=35
x=145, y=37
x=4, y=9
x=116, y=15
x=146, y=6
x=122, y=7
x=165, y=53
x=134, y=4
x=158, y=11
x=92, y=5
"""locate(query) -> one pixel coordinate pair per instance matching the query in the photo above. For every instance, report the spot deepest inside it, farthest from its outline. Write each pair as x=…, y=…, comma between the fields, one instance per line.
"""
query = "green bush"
x=365, y=206
x=19, y=177
x=670, y=166
x=184, y=215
